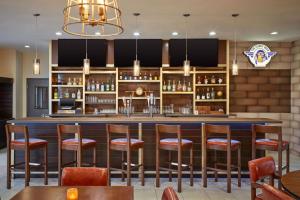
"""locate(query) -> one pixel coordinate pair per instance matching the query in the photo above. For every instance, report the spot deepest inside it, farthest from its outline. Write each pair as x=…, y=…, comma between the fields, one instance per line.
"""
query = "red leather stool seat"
x=123, y=141
x=174, y=141
x=222, y=142
x=33, y=142
x=271, y=143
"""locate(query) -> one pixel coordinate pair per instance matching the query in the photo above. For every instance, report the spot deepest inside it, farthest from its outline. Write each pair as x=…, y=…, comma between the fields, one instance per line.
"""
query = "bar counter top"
x=139, y=119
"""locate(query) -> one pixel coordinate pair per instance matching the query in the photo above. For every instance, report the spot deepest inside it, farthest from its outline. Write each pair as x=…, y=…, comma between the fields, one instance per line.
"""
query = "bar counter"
x=143, y=128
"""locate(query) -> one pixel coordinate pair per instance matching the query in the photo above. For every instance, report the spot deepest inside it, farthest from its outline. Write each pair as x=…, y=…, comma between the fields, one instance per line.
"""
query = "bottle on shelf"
x=74, y=81
x=189, y=88
x=174, y=86
x=93, y=86
x=78, y=94
x=67, y=94
x=184, y=87
x=164, y=86
x=207, y=94
x=107, y=86
x=140, y=77
x=121, y=76
x=203, y=96
x=145, y=76
x=97, y=86
x=125, y=76
x=150, y=77
x=55, y=95
x=69, y=81
x=102, y=87
x=220, y=80
x=88, y=85
x=212, y=93
x=73, y=95
x=205, y=80
x=199, y=80
x=198, y=97
x=80, y=81
x=156, y=77
x=213, y=80
x=112, y=87
x=130, y=77
x=169, y=87
x=179, y=86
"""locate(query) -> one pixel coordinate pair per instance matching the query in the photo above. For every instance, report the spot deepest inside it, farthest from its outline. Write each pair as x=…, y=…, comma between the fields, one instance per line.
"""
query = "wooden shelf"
x=211, y=100
x=176, y=72
x=76, y=100
x=89, y=103
x=102, y=72
x=211, y=72
x=138, y=98
x=98, y=92
x=139, y=81
x=67, y=72
x=208, y=85
x=68, y=86
x=177, y=92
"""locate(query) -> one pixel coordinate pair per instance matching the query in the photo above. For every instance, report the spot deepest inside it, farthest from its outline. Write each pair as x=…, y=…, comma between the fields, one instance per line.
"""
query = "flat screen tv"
x=201, y=52
x=149, y=52
x=71, y=52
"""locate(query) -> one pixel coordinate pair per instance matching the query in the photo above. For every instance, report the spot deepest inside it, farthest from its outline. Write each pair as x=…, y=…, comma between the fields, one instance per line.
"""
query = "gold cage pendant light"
x=92, y=18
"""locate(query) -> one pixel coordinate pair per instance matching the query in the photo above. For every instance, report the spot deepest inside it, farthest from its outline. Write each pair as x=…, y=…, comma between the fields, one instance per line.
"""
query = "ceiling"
x=159, y=18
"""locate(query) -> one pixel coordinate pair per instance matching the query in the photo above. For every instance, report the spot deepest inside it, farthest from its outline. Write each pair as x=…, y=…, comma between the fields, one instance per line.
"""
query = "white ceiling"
x=159, y=18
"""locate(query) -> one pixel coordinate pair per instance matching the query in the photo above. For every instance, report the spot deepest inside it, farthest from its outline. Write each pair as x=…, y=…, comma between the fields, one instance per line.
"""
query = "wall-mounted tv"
x=149, y=52
x=201, y=52
x=71, y=52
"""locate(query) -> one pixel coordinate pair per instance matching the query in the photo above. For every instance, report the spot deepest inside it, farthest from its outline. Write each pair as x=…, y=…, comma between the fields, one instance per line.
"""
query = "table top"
x=291, y=183
x=84, y=193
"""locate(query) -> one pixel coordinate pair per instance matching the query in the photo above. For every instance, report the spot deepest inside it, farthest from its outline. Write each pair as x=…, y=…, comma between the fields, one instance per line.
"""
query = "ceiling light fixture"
x=136, y=34
x=274, y=33
x=85, y=17
x=175, y=33
x=36, y=61
x=136, y=62
x=97, y=33
x=58, y=33
x=86, y=61
x=235, y=67
x=186, y=62
x=27, y=46
x=212, y=33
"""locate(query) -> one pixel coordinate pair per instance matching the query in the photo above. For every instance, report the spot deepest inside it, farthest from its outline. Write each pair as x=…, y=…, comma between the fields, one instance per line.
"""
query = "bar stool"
x=272, y=145
x=77, y=145
x=25, y=144
x=123, y=145
x=221, y=144
x=173, y=144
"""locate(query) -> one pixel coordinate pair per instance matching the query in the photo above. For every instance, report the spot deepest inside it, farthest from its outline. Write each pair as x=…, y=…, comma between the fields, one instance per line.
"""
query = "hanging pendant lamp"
x=92, y=18
x=186, y=62
x=36, y=61
x=86, y=61
x=235, y=66
x=136, y=62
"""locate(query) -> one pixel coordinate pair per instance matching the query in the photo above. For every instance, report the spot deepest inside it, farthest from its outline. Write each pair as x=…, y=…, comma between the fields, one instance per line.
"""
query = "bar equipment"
x=127, y=102
x=151, y=100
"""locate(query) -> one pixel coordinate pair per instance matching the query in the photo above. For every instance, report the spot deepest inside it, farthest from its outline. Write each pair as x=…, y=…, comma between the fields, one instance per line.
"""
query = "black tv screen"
x=149, y=52
x=71, y=52
x=201, y=52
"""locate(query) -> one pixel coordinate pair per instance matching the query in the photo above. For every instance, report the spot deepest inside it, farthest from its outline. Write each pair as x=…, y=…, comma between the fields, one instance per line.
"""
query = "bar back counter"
x=141, y=128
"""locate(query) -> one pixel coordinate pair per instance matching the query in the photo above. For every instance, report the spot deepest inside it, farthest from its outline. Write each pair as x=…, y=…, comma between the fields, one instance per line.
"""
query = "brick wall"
x=295, y=95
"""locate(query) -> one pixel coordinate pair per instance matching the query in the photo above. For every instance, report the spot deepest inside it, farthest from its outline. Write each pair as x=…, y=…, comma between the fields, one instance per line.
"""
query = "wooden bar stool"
x=25, y=144
x=76, y=144
x=271, y=145
x=123, y=145
x=221, y=144
x=173, y=144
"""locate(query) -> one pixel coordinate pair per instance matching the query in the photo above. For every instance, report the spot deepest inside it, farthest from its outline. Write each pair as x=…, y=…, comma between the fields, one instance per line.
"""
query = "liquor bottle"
x=203, y=96
x=73, y=95
x=130, y=77
x=164, y=86
x=213, y=80
x=205, y=80
x=145, y=76
x=74, y=81
x=189, y=88
x=67, y=94
x=80, y=81
x=140, y=77
x=179, y=86
x=174, y=86
x=212, y=94
x=199, y=80
x=169, y=87
x=156, y=77
x=107, y=86
x=93, y=86
x=88, y=87
x=78, y=94
x=121, y=76
x=69, y=81
x=184, y=87
x=150, y=76
x=102, y=87
x=198, y=95
x=112, y=87
x=55, y=95
x=97, y=86
x=207, y=94
x=125, y=76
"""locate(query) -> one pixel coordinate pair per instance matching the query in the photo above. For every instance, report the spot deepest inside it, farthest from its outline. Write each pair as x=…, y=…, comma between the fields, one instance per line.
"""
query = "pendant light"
x=235, y=67
x=136, y=62
x=186, y=62
x=36, y=61
x=86, y=61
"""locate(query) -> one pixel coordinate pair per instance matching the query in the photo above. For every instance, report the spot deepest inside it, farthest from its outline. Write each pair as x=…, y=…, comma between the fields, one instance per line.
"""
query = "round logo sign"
x=260, y=55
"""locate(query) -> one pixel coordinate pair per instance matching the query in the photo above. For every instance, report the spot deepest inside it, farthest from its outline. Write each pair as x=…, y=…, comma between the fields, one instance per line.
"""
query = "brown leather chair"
x=77, y=145
x=260, y=169
x=178, y=145
x=221, y=144
x=84, y=176
x=271, y=193
x=169, y=194
x=123, y=145
x=271, y=144
x=25, y=144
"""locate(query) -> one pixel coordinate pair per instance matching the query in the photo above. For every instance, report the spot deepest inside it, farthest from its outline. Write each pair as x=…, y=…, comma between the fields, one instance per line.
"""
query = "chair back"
x=271, y=193
x=16, y=129
x=261, y=168
x=210, y=129
x=169, y=194
x=69, y=130
x=84, y=176
x=162, y=129
x=256, y=128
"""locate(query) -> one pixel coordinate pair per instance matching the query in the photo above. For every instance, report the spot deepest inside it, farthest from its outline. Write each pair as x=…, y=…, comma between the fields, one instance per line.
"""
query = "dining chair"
x=169, y=194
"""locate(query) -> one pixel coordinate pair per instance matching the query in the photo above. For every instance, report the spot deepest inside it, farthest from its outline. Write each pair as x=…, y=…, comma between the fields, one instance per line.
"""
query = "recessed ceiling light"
x=274, y=33
x=136, y=34
x=97, y=33
x=175, y=33
x=58, y=33
x=27, y=46
x=212, y=33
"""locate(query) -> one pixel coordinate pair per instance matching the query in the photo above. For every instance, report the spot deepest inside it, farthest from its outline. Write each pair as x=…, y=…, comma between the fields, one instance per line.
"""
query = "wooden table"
x=84, y=193
x=291, y=183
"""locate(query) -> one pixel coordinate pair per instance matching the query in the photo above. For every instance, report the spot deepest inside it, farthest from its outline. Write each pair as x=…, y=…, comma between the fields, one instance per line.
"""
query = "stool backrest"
x=169, y=194
x=277, y=130
x=16, y=129
x=210, y=129
x=162, y=129
x=269, y=192
x=115, y=129
x=69, y=130
x=84, y=176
